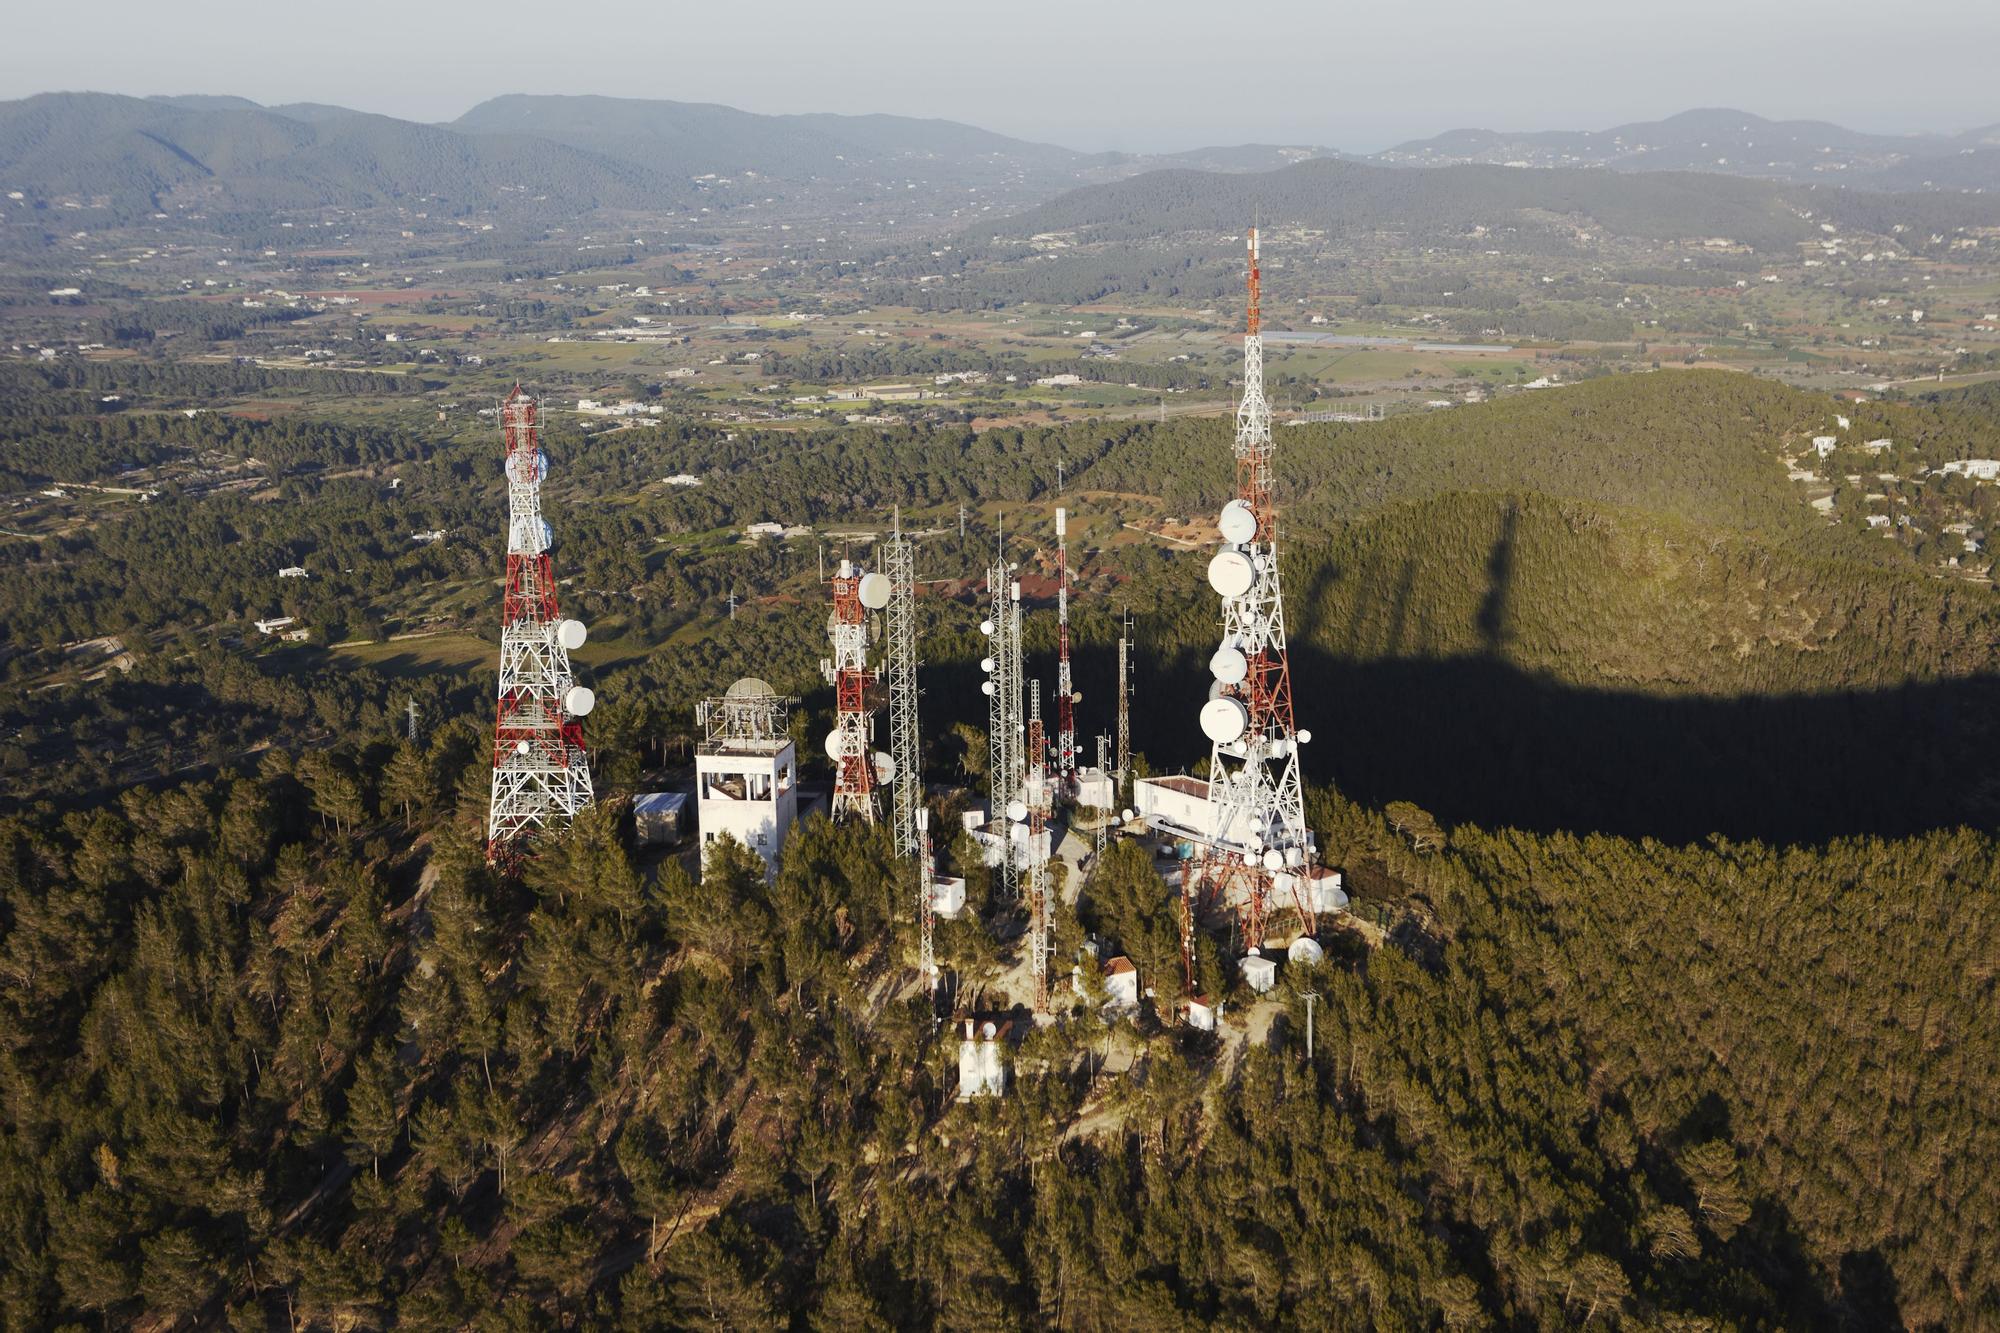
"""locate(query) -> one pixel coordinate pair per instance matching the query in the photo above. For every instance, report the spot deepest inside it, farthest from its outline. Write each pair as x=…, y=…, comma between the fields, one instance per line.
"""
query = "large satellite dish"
x=749, y=687
x=874, y=591
x=1231, y=574
x=1238, y=522
x=1017, y=810
x=571, y=634
x=579, y=700
x=836, y=746
x=1305, y=949
x=1224, y=720
x=1229, y=665
x=885, y=767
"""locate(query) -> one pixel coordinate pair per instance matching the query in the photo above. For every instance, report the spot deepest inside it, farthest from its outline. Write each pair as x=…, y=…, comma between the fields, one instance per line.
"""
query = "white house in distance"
x=292, y=572
x=746, y=771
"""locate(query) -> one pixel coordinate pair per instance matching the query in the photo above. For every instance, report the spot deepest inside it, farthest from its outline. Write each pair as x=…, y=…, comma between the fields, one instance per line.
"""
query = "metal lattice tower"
x=926, y=902
x=541, y=777
x=1003, y=717
x=905, y=745
x=1124, y=703
x=1256, y=796
x=1036, y=793
x=847, y=671
x=1066, y=758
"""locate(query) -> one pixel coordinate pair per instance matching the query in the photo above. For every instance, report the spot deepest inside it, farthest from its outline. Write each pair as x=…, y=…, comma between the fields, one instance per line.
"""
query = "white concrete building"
x=746, y=771
x=1259, y=973
x=982, y=1071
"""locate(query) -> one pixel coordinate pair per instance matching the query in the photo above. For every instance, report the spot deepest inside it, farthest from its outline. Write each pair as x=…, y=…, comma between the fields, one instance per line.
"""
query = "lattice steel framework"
x=541, y=776
x=905, y=745
x=1065, y=755
x=847, y=671
x=1003, y=716
x=926, y=902
x=1256, y=795
x=1036, y=793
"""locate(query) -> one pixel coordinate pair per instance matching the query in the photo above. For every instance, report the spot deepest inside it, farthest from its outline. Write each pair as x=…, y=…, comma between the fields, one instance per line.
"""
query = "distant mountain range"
x=1733, y=143
x=561, y=156
x=1344, y=198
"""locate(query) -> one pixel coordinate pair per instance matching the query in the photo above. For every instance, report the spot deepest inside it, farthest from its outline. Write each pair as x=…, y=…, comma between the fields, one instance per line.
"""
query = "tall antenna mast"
x=1124, y=702
x=1003, y=725
x=1040, y=927
x=1255, y=795
x=1065, y=690
x=855, y=594
x=905, y=745
x=541, y=778
x=926, y=903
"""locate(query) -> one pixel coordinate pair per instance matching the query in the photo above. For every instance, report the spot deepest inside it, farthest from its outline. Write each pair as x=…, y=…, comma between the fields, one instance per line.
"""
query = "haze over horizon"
x=1157, y=78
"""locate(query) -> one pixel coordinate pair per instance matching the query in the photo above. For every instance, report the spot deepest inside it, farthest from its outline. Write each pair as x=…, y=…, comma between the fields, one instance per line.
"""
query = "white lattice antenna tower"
x=905, y=744
x=541, y=777
x=1036, y=793
x=1002, y=665
x=1256, y=795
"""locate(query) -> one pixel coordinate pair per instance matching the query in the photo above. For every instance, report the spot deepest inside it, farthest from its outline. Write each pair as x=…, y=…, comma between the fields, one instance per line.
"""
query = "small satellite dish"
x=578, y=700
x=1077, y=697
x=520, y=747
x=1295, y=856
x=1280, y=748
x=986, y=687
x=1017, y=810
x=1231, y=574
x=885, y=766
x=986, y=665
x=1128, y=815
x=1305, y=949
x=571, y=634
x=986, y=627
x=874, y=591
x=1229, y=665
x=1274, y=859
x=1238, y=523
x=1224, y=720
x=1305, y=737
x=836, y=746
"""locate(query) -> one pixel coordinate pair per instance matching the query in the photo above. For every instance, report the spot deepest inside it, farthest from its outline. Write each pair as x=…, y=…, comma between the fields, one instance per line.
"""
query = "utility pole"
x=732, y=604
x=1310, y=997
x=413, y=722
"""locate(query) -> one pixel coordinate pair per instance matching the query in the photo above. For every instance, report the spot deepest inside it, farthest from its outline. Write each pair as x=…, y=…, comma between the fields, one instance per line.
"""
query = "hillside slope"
x=137, y=154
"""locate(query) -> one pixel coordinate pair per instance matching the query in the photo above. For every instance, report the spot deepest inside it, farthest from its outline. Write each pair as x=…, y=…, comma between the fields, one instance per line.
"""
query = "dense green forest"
x=1677, y=1011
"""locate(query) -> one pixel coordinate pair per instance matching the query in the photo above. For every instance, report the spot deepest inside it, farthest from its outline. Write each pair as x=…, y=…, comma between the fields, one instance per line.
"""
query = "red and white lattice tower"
x=541, y=777
x=1065, y=689
x=855, y=593
x=1255, y=794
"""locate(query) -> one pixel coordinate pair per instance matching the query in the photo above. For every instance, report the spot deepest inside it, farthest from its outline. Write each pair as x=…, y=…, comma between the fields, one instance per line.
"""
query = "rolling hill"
x=1729, y=142
x=1347, y=198
x=138, y=155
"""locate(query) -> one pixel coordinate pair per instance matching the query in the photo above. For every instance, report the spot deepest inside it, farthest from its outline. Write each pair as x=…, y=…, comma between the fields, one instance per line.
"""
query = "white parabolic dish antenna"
x=1017, y=810
x=1228, y=666
x=885, y=767
x=1305, y=949
x=749, y=687
x=1231, y=574
x=836, y=747
x=874, y=591
x=1238, y=523
x=579, y=700
x=571, y=634
x=1224, y=720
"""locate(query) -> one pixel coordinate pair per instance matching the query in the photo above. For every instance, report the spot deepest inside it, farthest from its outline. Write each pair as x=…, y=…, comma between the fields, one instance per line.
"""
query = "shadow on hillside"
x=1478, y=740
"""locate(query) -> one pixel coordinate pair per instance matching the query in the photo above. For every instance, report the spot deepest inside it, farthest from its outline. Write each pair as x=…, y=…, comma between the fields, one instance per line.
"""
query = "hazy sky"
x=1086, y=73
